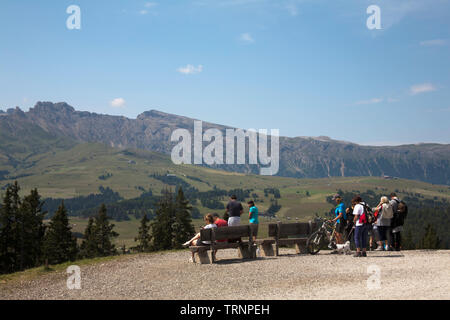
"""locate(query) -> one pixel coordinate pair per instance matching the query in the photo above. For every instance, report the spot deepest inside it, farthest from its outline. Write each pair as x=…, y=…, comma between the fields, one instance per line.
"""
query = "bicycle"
x=326, y=233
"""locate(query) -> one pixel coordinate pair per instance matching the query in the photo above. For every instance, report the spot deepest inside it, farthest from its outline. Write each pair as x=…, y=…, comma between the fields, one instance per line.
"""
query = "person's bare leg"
x=338, y=238
x=190, y=242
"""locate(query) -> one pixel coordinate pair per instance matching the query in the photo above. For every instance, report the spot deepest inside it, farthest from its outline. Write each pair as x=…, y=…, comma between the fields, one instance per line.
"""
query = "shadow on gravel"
x=393, y=256
x=238, y=260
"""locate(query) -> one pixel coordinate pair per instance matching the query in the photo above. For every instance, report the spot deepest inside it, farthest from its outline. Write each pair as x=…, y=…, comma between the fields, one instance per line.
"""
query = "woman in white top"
x=361, y=229
x=385, y=214
x=195, y=241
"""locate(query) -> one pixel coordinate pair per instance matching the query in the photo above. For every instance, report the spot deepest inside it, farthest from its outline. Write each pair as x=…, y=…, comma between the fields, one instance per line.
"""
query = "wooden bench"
x=286, y=234
x=246, y=248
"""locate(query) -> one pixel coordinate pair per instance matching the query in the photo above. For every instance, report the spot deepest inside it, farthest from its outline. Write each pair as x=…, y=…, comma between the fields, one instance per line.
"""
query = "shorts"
x=201, y=243
x=382, y=232
x=340, y=228
x=234, y=221
x=254, y=227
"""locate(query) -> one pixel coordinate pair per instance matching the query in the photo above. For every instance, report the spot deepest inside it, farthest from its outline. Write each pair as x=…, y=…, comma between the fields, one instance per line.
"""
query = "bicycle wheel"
x=315, y=242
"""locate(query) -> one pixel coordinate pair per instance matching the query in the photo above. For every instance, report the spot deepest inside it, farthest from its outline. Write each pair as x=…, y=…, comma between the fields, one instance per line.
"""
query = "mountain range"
x=58, y=125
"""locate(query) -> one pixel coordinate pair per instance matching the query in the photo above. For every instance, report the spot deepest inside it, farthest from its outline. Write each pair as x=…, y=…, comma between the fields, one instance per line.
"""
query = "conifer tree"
x=183, y=229
x=408, y=241
x=59, y=243
x=430, y=239
x=144, y=237
x=162, y=225
x=7, y=225
x=89, y=246
x=32, y=230
x=104, y=233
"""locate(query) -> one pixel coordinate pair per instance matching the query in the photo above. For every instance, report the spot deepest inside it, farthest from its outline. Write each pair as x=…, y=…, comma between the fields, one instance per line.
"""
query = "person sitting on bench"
x=195, y=241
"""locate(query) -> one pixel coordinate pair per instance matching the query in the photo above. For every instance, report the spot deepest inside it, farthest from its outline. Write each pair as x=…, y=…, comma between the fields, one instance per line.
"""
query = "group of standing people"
x=232, y=217
x=382, y=224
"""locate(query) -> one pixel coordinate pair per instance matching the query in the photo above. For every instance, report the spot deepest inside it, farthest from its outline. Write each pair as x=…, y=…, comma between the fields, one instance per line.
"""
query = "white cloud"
x=434, y=42
x=422, y=88
x=190, y=69
x=148, y=6
x=246, y=37
x=390, y=100
x=370, y=101
x=118, y=103
x=292, y=9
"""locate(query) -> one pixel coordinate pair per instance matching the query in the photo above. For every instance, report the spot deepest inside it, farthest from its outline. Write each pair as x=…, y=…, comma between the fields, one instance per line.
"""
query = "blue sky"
x=306, y=67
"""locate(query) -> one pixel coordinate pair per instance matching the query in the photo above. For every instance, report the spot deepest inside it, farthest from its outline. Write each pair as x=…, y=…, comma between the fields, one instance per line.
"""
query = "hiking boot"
x=379, y=248
x=357, y=254
x=364, y=254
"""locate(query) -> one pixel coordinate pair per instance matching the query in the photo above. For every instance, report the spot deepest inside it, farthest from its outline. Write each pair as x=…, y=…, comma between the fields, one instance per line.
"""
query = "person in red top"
x=219, y=222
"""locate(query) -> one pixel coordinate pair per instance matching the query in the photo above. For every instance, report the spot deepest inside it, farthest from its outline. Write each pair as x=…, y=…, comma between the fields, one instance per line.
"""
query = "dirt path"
x=404, y=275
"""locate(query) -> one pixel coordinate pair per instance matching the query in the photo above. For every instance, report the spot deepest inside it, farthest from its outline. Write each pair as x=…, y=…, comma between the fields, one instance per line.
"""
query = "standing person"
x=253, y=218
x=394, y=203
x=350, y=224
x=234, y=211
x=400, y=213
x=340, y=218
x=361, y=232
x=383, y=223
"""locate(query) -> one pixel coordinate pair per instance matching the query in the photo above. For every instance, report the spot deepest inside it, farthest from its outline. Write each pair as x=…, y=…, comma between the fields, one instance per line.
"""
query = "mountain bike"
x=325, y=234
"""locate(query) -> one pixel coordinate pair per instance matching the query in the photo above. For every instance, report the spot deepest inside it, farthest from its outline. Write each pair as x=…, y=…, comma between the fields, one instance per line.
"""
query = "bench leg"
x=213, y=256
x=203, y=257
x=252, y=250
x=244, y=252
x=300, y=248
x=267, y=250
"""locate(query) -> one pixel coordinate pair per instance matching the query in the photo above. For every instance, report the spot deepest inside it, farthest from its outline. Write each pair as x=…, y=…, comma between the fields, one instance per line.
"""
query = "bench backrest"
x=223, y=233
x=284, y=230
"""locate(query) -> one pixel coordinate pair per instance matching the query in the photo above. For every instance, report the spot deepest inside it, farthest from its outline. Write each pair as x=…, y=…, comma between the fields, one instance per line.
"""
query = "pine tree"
x=144, y=237
x=183, y=229
x=162, y=225
x=408, y=241
x=7, y=224
x=59, y=244
x=89, y=246
x=104, y=233
x=32, y=231
x=430, y=240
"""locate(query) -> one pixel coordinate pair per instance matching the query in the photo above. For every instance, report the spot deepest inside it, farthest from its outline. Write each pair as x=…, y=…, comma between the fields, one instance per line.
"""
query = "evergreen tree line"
x=76, y=206
x=26, y=242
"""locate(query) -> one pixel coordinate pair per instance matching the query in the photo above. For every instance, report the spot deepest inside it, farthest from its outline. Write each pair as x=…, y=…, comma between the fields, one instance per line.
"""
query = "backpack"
x=400, y=214
x=389, y=213
x=367, y=217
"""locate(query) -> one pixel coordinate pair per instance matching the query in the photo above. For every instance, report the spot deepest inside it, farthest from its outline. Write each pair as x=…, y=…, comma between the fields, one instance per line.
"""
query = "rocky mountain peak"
x=45, y=106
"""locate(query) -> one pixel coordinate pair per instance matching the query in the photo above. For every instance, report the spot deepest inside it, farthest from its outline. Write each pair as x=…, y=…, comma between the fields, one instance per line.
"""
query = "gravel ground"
x=403, y=275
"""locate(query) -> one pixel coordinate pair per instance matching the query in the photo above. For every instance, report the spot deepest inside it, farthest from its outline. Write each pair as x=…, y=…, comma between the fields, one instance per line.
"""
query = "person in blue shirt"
x=253, y=218
x=340, y=218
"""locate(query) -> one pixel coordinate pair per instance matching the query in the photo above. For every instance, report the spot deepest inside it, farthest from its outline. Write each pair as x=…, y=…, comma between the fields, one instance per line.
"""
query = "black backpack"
x=400, y=214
